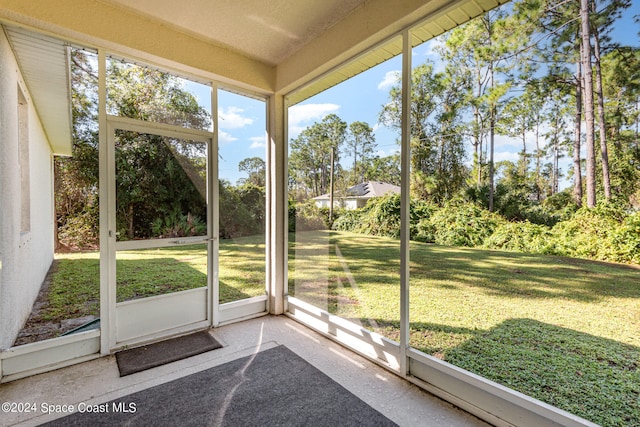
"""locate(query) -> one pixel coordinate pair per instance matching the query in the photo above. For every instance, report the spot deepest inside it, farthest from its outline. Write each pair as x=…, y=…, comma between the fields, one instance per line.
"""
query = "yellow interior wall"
x=97, y=23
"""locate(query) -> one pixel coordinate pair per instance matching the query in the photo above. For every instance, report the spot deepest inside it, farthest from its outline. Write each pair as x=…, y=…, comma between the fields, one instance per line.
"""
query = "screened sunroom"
x=191, y=194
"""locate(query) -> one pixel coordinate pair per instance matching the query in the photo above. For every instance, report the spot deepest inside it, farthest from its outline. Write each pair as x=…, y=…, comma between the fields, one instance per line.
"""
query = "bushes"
x=627, y=239
x=80, y=230
x=349, y=220
x=381, y=217
x=179, y=225
x=605, y=232
x=463, y=224
x=307, y=216
x=522, y=237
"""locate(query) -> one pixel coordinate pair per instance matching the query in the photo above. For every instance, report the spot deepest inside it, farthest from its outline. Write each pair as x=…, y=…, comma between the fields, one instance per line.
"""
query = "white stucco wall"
x=25, y=257
x=342, y=203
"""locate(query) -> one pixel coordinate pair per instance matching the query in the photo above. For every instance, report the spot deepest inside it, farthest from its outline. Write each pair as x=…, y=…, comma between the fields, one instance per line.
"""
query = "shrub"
x=309, y=217
x=349, y=220
x=423, y=231
x=381, y=217
x=80, y=231
x=521, y=237
x=592, y=233
x=463, y=224
x=627, y=239
x=560, y=206
x=179, y=225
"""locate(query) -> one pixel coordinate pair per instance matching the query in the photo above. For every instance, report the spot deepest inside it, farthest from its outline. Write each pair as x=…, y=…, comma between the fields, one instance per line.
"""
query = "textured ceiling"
x=269, y=30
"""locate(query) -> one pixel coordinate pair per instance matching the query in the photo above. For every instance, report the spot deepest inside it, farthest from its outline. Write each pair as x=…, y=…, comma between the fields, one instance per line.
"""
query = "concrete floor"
x=98, y=381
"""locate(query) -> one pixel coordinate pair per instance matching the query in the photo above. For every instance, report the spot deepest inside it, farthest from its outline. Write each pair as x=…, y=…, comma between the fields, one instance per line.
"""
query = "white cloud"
x=505, y=155
x=301, y=115
x=231, y=118
x=507, y=141
x=431, y=46
x=390, y=79
x=258, y=142
x=389, y=152
x=225, y=138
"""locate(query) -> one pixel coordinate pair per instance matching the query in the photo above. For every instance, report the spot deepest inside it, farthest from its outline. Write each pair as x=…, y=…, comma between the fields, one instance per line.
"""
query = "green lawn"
x=565, y=331
x=75, y=283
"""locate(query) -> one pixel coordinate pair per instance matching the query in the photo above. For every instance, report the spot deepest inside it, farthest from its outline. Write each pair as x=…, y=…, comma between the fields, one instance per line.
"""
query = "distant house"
x=358, y=195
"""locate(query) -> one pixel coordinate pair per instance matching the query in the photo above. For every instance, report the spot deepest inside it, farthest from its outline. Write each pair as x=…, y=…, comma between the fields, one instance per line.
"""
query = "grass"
x=563, y=330
x=74, y=289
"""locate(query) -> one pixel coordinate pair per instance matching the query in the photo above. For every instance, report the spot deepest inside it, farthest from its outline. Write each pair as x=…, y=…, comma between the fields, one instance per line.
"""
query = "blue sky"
x=242, y=119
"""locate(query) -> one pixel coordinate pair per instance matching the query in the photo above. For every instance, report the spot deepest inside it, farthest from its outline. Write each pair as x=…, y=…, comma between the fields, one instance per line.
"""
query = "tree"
x=383, y=169
x=521, y=116
x=437, y=146
x=310, y=154
x=255, y=168
x=76, y=178
x=557, y=136
x=587, y=76
x=158, y=179
x=488, y=51
x=601, y=23
x=360, y=140
x=621, y=89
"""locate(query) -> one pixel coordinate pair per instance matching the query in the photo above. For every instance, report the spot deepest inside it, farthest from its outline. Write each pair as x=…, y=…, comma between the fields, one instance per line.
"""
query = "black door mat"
x=160, y=353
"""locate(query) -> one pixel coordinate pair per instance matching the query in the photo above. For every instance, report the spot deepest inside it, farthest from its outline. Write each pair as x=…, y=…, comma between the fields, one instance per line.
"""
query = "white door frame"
x=125, y=325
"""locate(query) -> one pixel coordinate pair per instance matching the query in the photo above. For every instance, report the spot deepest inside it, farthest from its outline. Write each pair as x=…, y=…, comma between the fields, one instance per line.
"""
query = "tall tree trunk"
x=538, y=164
x=477, y=145
x=588, y=104
x=492, y=125
x=355, y=164
x=601, y=122
x=556, y=178
x=577, y=167
x=478, y=131
x=491, y=166
x=525, y=163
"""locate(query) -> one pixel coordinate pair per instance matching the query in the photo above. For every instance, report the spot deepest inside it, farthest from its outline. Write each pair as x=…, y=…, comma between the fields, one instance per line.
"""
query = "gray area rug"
x=157, y=354
x=272, y=388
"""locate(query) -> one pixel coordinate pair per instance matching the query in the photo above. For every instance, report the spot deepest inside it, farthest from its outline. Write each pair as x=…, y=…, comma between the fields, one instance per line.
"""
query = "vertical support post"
x=333, y=154
x=107, y=232
x=276, y=204
x=405, y=171
x=213, y=211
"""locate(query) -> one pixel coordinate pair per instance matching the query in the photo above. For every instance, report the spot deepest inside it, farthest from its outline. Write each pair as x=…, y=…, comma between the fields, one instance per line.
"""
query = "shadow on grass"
x=593, y=377
x=536, y=276
x=503, y=274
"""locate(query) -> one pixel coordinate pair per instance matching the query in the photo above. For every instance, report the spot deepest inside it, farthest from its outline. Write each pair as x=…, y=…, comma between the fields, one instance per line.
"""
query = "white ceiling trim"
x=431, y=27
x=44, y=64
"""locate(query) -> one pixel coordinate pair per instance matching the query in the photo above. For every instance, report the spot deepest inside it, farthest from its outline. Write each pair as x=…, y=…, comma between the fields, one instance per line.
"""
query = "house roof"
x=365, y=190
x=44, y=63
